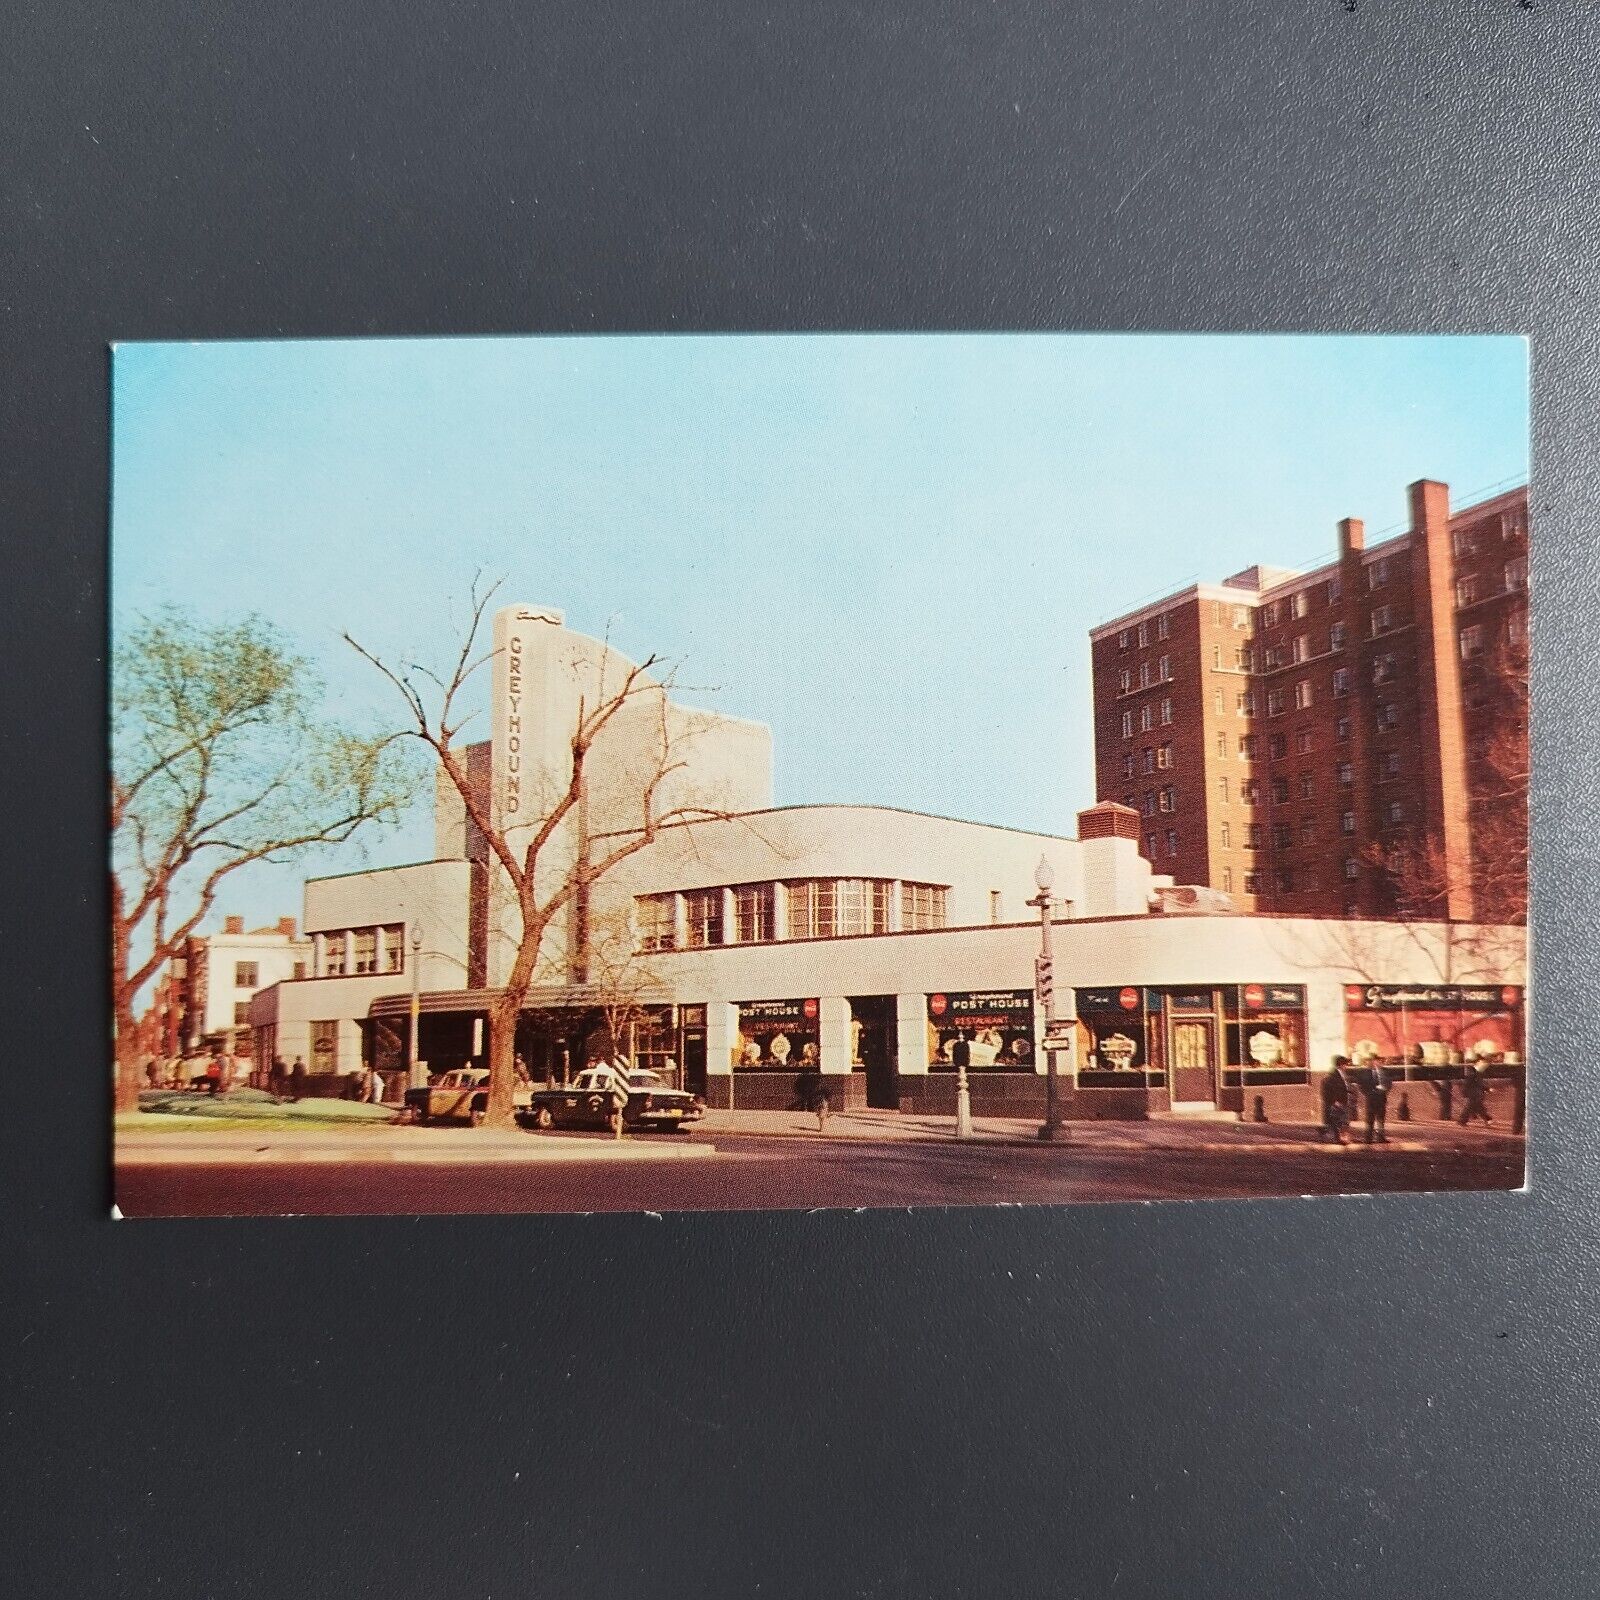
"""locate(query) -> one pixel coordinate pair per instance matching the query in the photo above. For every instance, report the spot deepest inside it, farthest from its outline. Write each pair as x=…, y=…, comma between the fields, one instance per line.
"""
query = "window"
x=1172, y=841
x=1124, y=681
x=1131, y=801
x=1341, y=730
x=241, y=1013
x=1150, y=847
x=1352, y=869
x=657, y=915
x=325, y=1046
x=1282, y=836
x=1378, y=573
x=996, y=906
x=1341, y=682
x=1299, y=604
x=1122, y=639
x=299, y=971
x=1308, y=830
x=1388, y=766
x=1345, y=774
x=1164, y=756
x=1250, y=792
x=1280, y=791
x=1127, y=764
x=1302, y=694
x=1147, y=760
x=1467, y=590
x=1381, y=619
x=1127, y=724
x=1308, y=786
x=1387, y=716
x=1269, y=615
x=1227, y=880
x=1512, y=526
x=333, y=955
x=1276, y=702
x=1247, y=747
x=812, y=908
x=1163, y=626
x=863, y=906
x=1225, y=836
x=1144, y=674
x=1216, y=612
x=1149, y=802
x=1516, y=574
x=1164, y=669
x=1222, y=744
x=394, y=947
x=1472, y=642
x=1218, y=702
x=1144, y=634
x=365, y=950
x=1278, y=746
x=1241, y=617
x=1253, y=838
x=1347, y=823
x=1146, y=720
x=1222, y=789
x=1169, y=799
x=1216, y=657
x=1382, y=668
x=1272, y=657
x=1302, y=742
x=754, y=913
x=1335, y=590
x=1516, y=627
x=922, y=905
x=246, y=974
x=1247, y=703
x=1464, y=541
x=1249, y=883
x=1336, y=636
x=1166, y=713
x=1394, y=813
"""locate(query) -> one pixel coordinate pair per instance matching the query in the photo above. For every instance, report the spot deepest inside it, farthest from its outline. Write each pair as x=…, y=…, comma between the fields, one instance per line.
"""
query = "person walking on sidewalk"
x=1335, y=1101
x=1472, y=1091
x=1375, y=1092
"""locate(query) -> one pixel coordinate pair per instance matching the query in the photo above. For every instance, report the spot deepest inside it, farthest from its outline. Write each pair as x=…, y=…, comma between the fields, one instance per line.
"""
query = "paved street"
x=783, y=1165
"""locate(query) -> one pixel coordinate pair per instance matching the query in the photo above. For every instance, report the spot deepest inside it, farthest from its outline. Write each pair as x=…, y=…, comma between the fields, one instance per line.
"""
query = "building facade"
x=744, y=941
x=1350, y=741
x=223, y=972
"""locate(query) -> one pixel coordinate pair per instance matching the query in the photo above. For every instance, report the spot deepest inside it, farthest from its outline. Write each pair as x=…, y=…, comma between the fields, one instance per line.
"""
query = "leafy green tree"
x=221, y=756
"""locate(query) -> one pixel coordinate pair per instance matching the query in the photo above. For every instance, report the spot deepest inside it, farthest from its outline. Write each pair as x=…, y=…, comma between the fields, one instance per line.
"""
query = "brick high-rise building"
x=1340, y=741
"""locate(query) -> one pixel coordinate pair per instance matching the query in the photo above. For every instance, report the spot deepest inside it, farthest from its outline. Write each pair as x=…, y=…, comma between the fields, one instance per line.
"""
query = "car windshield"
x=648, y=1080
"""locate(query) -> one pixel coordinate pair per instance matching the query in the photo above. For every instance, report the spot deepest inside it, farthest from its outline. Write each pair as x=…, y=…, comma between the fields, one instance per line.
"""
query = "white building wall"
x=274, y=954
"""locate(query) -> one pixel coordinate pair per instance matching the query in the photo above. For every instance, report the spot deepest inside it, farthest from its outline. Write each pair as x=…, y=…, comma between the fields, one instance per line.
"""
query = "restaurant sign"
x=1431, y=997
x=997, y=1024
x=777, y=1033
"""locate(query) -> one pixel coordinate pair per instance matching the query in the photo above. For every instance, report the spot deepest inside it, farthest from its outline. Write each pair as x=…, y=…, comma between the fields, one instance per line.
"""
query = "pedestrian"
x=1473, y=1086
x=1375, y=1092
x=278, y=1082
x=1336, y=1100
x=961, y=1053
x=297, y=1079
x=375, y=1087
x=152, y=1072
x=214, y=1075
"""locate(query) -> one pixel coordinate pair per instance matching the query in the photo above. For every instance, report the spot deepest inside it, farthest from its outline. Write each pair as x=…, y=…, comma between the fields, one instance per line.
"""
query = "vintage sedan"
x=460, y=1096
x=592, y=1099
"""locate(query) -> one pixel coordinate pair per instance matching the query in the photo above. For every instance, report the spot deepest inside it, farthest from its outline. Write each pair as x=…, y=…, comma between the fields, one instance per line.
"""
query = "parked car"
x=591, y=1100
x=460, y=1096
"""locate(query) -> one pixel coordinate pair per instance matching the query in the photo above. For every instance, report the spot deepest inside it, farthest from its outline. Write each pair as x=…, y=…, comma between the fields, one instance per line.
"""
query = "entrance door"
x=874, y=1016
x=694, y=1060
x=1193, y=1070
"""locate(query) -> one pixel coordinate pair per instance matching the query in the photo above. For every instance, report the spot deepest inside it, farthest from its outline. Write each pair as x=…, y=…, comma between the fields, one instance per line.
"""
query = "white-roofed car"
x=461, y=1095
x=593, y=1098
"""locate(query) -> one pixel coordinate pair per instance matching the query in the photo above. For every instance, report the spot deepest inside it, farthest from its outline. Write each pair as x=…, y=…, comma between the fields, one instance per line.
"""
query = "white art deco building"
x=747, y=940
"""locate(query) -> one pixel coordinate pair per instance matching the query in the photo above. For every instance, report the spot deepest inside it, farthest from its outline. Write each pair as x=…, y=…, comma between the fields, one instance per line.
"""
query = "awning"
x=569, y=997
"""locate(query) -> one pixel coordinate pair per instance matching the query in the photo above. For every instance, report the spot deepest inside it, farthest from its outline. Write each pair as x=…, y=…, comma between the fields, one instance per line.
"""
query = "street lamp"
x=1044, y=878
x=414, y=1075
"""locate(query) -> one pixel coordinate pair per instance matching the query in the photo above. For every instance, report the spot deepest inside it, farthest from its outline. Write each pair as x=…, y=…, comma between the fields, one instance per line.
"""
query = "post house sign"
x=1431, y=997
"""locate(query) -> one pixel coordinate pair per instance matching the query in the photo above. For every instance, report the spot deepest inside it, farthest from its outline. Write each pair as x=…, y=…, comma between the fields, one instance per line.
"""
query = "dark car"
x=591, y=1101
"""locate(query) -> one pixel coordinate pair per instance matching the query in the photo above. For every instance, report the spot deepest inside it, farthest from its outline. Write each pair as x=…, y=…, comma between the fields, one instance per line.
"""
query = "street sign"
x=1058, y=1041
x=1044, y=978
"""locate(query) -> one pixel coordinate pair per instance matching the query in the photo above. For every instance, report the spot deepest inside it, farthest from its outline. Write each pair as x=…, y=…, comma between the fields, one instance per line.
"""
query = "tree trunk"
x=503, y=1015
x=127, y=1056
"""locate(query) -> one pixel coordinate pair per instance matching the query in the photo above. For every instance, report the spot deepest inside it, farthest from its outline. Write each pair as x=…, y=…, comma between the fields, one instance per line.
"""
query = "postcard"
x=579, y=774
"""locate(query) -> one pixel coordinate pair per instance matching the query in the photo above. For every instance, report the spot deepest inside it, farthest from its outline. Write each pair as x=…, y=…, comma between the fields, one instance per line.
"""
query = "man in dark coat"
x=1375, y=1091
x=1336, y=1100
x=1473, y=1085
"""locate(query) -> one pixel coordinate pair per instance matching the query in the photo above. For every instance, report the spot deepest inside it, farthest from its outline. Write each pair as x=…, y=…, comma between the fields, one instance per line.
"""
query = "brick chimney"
x=233, y=924
x=1352, y=537
x=286, y=927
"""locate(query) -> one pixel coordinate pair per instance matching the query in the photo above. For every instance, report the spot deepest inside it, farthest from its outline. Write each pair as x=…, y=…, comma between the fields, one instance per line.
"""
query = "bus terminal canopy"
x=569, y=997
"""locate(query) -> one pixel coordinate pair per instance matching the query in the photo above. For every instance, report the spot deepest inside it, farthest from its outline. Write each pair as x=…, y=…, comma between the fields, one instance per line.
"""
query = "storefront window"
x=325, y=1046
x=753, y=905
x=1115, y=1021
x=1426, y=1027
x=1265, y=1032
x=778, y=1035
x=997, y=1025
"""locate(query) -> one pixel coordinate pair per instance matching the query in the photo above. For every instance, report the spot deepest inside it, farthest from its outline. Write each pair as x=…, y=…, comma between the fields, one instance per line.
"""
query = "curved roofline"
x=838, y=805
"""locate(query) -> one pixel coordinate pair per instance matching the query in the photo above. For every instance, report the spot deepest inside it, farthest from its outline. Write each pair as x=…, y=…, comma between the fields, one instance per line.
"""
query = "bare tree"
x=219, y=758
x=436, y=718
x=626, y=984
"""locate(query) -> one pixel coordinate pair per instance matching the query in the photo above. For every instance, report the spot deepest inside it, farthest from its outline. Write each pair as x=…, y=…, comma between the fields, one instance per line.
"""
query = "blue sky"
x=890, y=548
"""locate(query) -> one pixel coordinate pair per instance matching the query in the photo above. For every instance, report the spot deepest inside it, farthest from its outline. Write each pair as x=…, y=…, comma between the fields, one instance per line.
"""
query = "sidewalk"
x=187, y=1146
x=1210, y=1134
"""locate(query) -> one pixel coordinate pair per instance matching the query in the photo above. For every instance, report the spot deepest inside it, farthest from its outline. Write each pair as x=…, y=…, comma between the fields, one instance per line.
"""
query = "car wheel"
x=477, y=1114
x=544, y=1119
x=419, y=1115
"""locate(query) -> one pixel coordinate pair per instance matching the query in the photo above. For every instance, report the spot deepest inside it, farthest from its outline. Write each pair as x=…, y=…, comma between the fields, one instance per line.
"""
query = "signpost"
x=1044, y=980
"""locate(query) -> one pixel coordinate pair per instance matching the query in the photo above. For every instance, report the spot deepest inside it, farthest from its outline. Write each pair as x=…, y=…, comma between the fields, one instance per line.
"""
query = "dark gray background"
x=1390, y=1397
